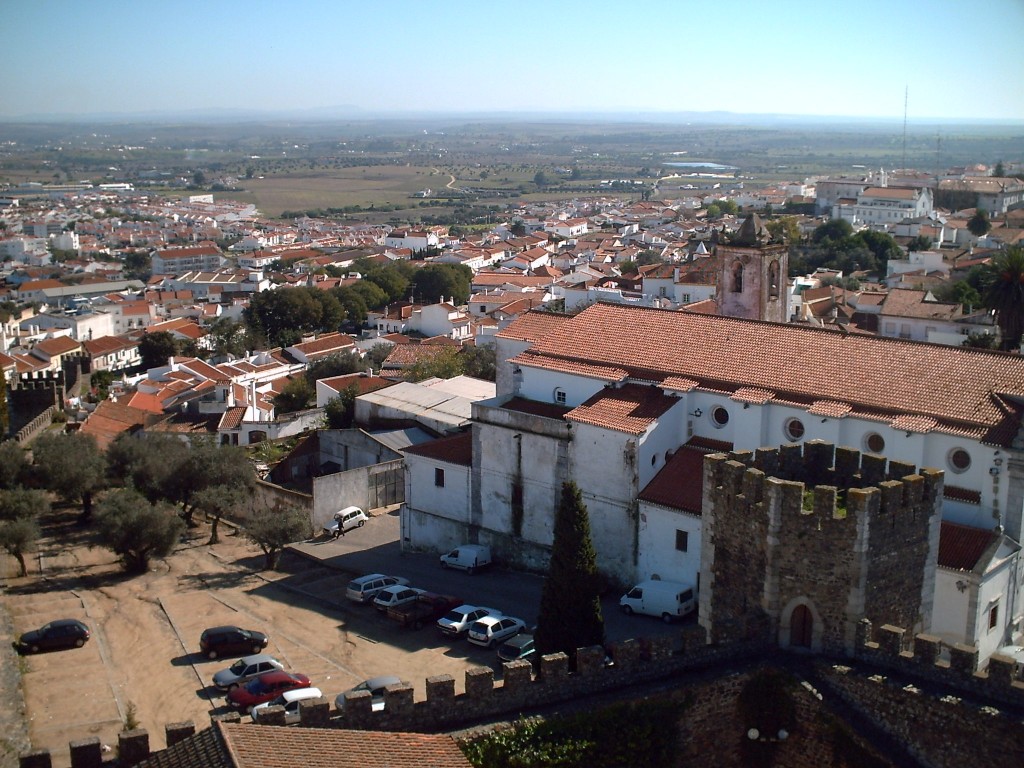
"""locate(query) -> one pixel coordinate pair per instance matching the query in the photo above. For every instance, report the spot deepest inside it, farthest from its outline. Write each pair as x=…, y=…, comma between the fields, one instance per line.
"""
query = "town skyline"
x=64, y=60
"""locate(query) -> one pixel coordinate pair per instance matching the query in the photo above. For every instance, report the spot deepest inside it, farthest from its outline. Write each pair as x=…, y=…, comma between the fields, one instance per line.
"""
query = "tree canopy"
x=284, y=314
x=156, y=348
x=442, y=282
x=570, y=605
x=1004, y=293
x=271, y=529
x=13, y=463
x=136, y=530
x=72, y=465
x=979, y=225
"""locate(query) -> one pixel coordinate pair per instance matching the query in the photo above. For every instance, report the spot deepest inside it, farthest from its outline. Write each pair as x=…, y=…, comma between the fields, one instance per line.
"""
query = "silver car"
x=365, y=588
x=376, y=686
x=458, y=620
x=245, y=669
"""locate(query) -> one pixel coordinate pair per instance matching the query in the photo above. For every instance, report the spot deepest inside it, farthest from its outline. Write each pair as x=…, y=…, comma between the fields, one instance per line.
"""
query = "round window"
x=794, y=429
x=720, y=416
x=959, y=460
x=874, y=442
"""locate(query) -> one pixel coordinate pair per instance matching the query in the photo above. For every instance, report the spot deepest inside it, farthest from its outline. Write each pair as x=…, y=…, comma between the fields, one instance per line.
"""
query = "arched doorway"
x=801, y=627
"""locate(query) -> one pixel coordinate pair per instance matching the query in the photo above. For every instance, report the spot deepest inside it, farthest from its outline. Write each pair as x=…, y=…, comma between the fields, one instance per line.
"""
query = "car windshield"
x=238, y=667
x=479, y=627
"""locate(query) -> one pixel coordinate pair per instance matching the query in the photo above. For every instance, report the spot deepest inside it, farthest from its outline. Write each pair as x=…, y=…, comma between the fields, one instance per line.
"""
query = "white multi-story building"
x=884, y=206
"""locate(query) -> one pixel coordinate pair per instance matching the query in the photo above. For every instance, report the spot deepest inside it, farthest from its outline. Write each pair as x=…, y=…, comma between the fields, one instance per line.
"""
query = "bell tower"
x=753, y=274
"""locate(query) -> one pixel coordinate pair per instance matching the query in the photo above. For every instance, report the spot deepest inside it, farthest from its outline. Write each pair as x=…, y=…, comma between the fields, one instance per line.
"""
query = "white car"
x=458, y=620
x=345, y=520
x=396, y=595
x=491, y=630
x=290, y=701
x=365, y=588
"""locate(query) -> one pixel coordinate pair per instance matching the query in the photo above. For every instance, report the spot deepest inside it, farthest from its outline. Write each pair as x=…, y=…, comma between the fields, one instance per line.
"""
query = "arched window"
x=773, y=280
x=737, y=277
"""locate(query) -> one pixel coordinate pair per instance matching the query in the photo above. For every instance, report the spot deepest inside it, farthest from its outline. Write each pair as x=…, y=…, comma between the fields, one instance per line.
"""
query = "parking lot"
x=143, y=660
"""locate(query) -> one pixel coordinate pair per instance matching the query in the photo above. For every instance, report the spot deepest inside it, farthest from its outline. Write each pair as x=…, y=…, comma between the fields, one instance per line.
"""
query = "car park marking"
x=101, y=644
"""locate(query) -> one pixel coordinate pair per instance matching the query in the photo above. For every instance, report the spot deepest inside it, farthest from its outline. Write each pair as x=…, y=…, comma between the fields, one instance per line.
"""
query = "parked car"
x=520, y=646
x=57, y=635
x=494, y=629
x=344, y=521
x=468, y=557
x=392, y=596
x=423, y=610
x=376, y=686
x=365, y=588
x=267, y=686
x=245, y=669
x=290, y=701
x=458, y=620
x=231, y=641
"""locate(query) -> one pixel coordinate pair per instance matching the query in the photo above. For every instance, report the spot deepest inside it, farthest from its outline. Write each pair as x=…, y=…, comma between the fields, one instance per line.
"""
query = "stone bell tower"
x=753, y=274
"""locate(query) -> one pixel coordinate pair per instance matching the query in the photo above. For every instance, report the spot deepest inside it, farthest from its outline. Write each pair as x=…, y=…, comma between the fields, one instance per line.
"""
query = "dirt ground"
x=142, y=664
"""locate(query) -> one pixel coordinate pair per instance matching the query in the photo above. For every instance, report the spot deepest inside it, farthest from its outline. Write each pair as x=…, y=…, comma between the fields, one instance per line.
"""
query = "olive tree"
x=273, y=528
x=71, y=465
x=136, y=530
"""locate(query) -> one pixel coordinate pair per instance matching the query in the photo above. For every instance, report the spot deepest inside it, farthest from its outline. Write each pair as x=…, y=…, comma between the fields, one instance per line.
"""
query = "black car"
x=57, y=635
x=231, y=641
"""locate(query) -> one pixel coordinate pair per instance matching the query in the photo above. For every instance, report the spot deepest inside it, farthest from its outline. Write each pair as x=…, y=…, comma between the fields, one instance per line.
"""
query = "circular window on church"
x=874, y=443
x=719, y=416
x=959, y=460
x=794, y=429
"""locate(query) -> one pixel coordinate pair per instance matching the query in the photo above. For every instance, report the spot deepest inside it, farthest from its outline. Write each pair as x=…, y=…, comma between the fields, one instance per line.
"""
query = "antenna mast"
x=906, y=93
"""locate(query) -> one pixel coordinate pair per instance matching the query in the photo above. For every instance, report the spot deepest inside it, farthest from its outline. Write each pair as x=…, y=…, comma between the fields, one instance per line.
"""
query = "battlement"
x=920, y=656
x=523, y=687
x=829, y=473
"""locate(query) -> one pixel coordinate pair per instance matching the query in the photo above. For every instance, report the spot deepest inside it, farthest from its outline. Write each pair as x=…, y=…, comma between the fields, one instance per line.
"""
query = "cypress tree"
x=570, y=605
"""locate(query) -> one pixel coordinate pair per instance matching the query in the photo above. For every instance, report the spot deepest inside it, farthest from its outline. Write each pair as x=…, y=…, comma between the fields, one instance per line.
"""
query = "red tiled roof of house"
x=326, y=344
x=271, y=746
x=362, y=382
x=967, y=391
x=59, y=345
x=111, y=419
x=680, y=483
x=232, y=417
x=144, y=401
x=630, y=409
x=534, y=408
x=961, y=546
x=457, y=449
x=105, y=345
x=905, y=302
x=705, y=307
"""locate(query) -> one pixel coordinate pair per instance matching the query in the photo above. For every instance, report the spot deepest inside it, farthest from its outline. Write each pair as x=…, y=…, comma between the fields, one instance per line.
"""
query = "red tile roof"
x=533, y=326
x=534, y=408
x=457, y=449
x=966, y=391
x=680, y=483
x=271, y=746
x=961, y=547
x=631, y=408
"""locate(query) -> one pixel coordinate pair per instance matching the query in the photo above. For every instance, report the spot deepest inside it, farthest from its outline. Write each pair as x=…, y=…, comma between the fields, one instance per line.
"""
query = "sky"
x=952, y=59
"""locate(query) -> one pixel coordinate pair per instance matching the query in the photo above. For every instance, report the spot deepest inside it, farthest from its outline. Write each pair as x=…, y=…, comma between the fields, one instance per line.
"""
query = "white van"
x=468, y=557
x=670, y=600
x=345, y=520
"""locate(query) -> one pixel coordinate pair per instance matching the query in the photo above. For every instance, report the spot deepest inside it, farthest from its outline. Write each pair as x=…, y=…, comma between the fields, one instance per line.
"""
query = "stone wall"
x=821, y=530
x=982, y=710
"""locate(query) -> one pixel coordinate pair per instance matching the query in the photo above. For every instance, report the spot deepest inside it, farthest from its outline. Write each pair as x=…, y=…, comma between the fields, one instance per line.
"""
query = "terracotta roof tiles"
x=962, y=389
x=457, y=449
x=632, y=408
x=680, y=483
x=961, y=546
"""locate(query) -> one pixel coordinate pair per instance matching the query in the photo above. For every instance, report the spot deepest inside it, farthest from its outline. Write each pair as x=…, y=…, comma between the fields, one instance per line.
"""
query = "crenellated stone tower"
x=803, y=542
x=752, y=283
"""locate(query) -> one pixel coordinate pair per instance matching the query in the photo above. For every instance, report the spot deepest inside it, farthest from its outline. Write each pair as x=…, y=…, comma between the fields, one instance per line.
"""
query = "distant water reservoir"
x=709, y=166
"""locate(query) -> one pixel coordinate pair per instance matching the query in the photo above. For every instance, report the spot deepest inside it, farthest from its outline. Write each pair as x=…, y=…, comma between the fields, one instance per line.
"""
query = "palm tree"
x=1004, y=293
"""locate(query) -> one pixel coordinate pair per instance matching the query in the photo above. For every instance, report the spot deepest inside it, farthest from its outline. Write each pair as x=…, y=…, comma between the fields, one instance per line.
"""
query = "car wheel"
x=444, y=565
x=248, y=709
x=211, y=654
x=470, y=570
x=360, y=524
x=667, y=618
x=257, y=648
x=79, y=643
x=33, y=649
x=627, y=610
x=232, y=686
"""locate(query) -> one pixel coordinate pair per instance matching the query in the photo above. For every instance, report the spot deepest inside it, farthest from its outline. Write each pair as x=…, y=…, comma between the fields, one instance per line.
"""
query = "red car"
x=267, y=686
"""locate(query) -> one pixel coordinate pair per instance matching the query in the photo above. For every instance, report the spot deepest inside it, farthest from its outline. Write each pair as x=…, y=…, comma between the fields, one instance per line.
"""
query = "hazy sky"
x=959, y=59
